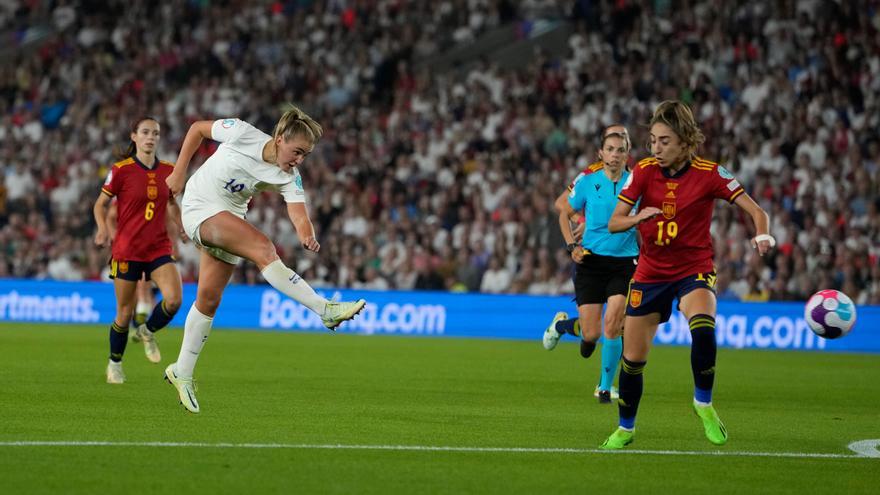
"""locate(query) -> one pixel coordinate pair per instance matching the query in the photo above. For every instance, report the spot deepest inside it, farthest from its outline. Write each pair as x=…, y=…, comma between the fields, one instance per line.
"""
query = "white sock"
x=195, y=333
x=293, y=286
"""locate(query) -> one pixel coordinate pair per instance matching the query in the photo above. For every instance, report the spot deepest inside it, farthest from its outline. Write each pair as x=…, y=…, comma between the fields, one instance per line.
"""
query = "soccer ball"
x=830, y=314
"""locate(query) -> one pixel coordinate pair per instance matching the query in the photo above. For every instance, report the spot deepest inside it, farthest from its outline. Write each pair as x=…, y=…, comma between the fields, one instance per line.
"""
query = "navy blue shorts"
x=646, y=298
x=135, y=270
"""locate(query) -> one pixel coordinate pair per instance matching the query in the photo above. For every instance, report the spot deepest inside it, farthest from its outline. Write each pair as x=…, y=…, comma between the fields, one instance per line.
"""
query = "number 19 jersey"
x=677, y=242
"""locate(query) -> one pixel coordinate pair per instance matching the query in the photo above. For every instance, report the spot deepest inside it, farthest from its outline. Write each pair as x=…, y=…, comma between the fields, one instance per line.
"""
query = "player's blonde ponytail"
x=295, y=122
x=680, y=119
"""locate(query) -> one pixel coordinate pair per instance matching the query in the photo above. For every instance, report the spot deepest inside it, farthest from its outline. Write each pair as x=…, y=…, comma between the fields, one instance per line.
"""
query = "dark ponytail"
x=122, y=153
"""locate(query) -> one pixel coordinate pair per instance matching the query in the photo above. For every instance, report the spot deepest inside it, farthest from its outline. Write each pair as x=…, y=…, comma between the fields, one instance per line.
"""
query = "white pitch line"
x=427, y=448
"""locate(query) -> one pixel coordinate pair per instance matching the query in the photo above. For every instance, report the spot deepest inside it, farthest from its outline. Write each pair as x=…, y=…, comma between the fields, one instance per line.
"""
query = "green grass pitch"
x=309, y=394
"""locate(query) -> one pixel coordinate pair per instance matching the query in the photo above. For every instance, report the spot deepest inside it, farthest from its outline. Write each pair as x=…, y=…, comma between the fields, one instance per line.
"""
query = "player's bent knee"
x=124, y=313
x=265, y=254
x=208, y=302
x=590, y=334
x=613, y=327
x=172, y=303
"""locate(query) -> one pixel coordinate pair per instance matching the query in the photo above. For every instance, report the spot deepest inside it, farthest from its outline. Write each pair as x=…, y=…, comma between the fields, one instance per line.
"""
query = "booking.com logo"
x=29, y=307
x=423, y=319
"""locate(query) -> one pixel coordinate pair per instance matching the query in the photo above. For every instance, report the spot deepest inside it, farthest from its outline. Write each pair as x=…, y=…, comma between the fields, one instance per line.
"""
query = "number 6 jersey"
x=141, y=200
x=235, y=172
x=677, y=243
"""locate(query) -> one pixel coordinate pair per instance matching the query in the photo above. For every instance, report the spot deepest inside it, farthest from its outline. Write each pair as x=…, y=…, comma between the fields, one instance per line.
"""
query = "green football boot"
x=714, y=428
x=618, y=440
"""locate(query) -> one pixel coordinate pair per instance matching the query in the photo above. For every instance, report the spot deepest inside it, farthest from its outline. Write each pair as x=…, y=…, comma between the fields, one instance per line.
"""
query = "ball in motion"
x=830, y=314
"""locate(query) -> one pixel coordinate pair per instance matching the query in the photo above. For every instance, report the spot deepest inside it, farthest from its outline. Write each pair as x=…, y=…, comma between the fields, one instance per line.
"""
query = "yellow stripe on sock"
x=162, y=305
x=705, y=325
x=632, y=370
x=701, y=322
x=698, y=319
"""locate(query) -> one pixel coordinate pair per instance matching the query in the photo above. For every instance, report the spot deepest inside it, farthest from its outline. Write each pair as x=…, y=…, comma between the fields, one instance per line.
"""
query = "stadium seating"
x=445, y=180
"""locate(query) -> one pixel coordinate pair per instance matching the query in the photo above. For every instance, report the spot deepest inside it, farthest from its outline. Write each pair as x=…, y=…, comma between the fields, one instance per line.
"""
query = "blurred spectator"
x=442, y=180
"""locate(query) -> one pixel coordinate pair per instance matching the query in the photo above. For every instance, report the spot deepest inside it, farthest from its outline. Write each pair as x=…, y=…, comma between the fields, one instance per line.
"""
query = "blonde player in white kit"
x=213, y=210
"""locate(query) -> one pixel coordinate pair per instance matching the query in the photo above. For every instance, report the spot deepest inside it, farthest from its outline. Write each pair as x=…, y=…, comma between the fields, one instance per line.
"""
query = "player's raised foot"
x=186, y=390
x=338, y=312
x=712, y=425
x=115, y=374
x=614, y=394
x=604, y=397
x=151, y=348
x=618, y=440
x=551, y=335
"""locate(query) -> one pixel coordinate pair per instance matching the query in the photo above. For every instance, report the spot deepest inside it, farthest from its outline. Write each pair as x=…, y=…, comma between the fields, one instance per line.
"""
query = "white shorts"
x=192, y=217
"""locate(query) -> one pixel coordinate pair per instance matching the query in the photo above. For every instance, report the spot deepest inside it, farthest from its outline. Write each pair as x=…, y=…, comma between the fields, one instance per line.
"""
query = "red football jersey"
x=141, y=201
x=677, y=243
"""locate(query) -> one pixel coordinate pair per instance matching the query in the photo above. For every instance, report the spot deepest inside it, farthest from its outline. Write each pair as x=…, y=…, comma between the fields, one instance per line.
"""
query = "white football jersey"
x=236, y=171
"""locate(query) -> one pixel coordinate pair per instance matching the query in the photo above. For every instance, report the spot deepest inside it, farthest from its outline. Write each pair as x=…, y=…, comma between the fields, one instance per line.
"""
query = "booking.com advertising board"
x=436, y=314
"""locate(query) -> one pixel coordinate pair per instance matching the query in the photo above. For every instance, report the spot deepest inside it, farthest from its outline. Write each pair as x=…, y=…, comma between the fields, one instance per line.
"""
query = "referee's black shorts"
x=599, y=277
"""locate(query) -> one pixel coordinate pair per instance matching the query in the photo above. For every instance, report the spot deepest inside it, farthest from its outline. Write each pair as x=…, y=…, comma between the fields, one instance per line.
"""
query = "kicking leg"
x=232, y=234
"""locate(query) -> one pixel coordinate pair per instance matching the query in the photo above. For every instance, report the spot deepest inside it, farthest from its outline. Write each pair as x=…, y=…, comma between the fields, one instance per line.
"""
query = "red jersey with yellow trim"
x=677, y=243
x=141, y=201
x=591, y=168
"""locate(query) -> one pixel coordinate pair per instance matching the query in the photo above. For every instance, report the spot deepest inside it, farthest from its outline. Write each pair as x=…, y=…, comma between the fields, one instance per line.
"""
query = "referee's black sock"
x=587, y=348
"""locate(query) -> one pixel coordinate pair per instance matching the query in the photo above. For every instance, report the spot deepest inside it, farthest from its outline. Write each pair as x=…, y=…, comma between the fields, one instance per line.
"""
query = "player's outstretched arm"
x=299, y=215
x=198, y=131
x=621, y=220
x=762, y=241
x=102, y=236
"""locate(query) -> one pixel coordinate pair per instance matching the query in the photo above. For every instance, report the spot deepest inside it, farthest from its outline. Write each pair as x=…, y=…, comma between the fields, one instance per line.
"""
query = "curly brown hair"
x=679, y=117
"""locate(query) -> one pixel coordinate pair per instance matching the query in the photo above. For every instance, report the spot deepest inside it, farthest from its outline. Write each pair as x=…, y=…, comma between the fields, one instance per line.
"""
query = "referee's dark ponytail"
x=130, y=150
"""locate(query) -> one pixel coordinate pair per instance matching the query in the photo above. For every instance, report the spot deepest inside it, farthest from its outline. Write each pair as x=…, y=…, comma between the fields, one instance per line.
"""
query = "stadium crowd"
x=445, y=181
